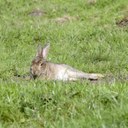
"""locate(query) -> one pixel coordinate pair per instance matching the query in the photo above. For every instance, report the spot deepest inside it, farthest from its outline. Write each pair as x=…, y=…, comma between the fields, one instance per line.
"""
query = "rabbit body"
x=45, y=70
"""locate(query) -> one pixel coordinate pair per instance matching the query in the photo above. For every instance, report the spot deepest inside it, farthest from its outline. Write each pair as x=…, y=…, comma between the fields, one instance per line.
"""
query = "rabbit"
x=45, y=70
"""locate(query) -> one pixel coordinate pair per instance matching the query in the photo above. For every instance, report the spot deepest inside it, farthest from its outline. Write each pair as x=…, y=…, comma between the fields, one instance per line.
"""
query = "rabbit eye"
x=42, y=64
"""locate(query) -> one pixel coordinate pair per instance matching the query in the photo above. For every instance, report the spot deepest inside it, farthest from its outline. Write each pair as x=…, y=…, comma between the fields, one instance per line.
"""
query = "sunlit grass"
x=88, y=39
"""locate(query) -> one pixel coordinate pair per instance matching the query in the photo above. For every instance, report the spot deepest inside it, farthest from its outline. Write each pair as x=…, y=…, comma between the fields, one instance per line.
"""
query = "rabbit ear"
x=45, y=50
x=39, y=50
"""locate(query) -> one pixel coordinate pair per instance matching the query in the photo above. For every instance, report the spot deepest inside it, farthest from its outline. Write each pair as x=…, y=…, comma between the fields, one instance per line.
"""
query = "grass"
x=89, y=40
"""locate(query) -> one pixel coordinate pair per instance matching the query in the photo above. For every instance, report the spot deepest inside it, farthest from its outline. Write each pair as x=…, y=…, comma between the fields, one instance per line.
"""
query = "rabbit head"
x=38, y=66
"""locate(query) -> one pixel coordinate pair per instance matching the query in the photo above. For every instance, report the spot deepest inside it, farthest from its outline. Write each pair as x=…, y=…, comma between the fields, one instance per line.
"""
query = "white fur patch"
x=62, y=75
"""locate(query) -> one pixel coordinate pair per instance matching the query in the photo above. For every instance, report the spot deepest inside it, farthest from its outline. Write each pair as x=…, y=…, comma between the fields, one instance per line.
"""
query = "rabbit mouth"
x=33, y=76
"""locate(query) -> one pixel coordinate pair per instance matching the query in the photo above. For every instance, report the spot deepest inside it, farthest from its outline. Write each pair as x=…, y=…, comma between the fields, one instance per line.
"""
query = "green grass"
x=91, y=41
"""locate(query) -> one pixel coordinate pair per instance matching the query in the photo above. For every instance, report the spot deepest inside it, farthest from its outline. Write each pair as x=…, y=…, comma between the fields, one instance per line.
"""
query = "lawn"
x=92, y=37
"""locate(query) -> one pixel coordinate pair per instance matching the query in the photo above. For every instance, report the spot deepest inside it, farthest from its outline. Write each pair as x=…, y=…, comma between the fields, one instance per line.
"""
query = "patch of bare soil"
x=64, y=19
x=123, y=22
x=91, y=2
x=37, y=12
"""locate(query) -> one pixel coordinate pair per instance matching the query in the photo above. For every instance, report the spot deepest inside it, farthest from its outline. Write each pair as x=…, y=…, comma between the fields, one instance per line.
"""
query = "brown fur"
x=40, y=68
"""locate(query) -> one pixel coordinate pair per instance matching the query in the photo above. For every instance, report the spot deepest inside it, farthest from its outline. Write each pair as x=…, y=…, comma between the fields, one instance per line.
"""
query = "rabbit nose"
x=32, y=71
x=33, y=74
